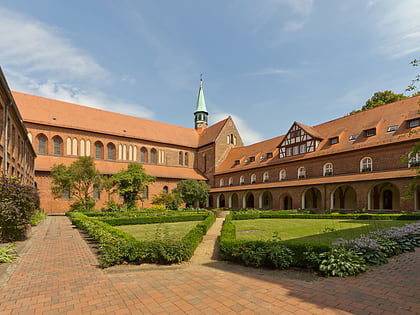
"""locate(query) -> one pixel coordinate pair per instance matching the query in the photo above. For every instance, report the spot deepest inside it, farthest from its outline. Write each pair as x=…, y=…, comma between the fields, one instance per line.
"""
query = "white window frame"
x=366, y=164
x=328, y=169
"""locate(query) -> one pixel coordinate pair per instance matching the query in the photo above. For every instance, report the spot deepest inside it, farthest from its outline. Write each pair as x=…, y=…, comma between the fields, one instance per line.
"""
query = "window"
x=269, y=155
x=328, y=169
x=237, y=162
x=42, y=144
x=65, y=195
x=143, y=155
x=296, y=150
x=353, y=137
x=222, y=183
x=153, y=156
x=302, y=148
x=145, y=194
x=265, y=177
x=414, y=123
x=282, y=175
x=252, y=159
x=228, y=139
x=242, y=180
x=180, y=159
x=289, y=151
x=413, y=160
x=186, y=159
x=230, y=181
x=96, y=192
x=392, y=128
x=366, y=164
x=111, y=151
x=371, y=132
x=253, y=179
x=165, y=189
x=301, y=172
x=99, y=150
x=334, y=140
x=58, y=145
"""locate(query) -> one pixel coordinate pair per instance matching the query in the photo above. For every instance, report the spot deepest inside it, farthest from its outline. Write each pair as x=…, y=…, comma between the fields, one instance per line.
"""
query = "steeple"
x=200, y=114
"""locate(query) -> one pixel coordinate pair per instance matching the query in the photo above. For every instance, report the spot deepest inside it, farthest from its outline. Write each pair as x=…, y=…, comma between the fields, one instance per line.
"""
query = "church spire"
x=200, y=114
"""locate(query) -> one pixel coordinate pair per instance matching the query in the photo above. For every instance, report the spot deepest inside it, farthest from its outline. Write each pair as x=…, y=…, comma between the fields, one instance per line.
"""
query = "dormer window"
x=392, y=128
x=334, y=140
x=237, y=162
x=269, y=155
x=353, y=137
x=252, y=159
x=414, y=123
x=262, y=157
x=371, y=132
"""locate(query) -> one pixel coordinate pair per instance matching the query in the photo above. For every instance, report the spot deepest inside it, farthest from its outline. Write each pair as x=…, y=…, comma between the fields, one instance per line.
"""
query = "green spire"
x=201, y=103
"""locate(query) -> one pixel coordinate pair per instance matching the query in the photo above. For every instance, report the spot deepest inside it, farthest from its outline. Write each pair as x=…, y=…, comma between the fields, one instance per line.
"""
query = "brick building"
x=16, y=153
x=353, y=162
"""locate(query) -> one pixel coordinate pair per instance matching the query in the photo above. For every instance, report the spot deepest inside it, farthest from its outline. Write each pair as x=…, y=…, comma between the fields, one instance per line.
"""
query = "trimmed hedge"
x=352, y=216
x=117, y=246
x=151, y=220
x=118, y=214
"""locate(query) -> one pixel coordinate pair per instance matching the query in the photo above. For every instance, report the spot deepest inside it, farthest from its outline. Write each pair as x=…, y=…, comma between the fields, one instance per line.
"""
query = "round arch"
x=266, y=200
x=384, y=196
x=286, y=202
x=234, y=201
x=249, y=201
x=311, y=198
x=343, y=197
x=221, y=201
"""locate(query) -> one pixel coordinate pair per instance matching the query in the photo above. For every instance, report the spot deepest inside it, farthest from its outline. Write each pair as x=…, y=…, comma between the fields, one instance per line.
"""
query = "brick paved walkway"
x=59, y=275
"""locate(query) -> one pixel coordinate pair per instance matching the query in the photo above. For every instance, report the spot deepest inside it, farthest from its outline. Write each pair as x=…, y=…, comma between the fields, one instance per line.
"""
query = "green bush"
x=306, y=255
x=117, y=246
x=7, y=253
x=151, y=220
x=37, y=217
x=341, y=262
x=17, y=205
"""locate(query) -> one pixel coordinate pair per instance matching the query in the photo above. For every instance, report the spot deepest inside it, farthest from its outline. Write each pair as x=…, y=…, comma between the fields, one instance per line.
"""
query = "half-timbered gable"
x=299, y=139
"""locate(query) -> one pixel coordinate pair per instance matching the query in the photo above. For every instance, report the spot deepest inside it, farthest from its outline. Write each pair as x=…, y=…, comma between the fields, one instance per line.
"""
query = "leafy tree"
x=168, y=200
x=192, y=191
x=78, y=180
x=380, y=98
x=130, y=182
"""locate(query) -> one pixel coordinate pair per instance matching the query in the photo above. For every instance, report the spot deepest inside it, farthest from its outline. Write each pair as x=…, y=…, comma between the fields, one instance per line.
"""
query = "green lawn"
x=150, y=232
x=313, y=230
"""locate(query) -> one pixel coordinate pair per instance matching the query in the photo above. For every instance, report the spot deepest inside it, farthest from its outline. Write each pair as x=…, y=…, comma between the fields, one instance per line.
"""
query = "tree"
x=131, y=181
x=168, y=200
x=78, y=180
x=192, y=191
x=380, y=98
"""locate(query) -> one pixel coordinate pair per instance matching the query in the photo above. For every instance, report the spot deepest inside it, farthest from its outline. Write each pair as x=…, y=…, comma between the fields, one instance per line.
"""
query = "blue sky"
x=267, y=63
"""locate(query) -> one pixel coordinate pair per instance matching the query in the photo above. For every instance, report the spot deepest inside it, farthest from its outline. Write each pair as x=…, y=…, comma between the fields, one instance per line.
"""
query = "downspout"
x=6, y=139
x=24, y=162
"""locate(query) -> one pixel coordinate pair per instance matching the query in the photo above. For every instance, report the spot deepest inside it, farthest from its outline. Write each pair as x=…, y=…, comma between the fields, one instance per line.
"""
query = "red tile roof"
x=380, y=117
x=44, y=163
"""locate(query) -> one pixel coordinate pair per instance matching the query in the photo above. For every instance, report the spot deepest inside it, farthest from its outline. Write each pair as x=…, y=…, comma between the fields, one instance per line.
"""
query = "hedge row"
x=151, y=220
x=351, y=216
x=117, y=246
x=118, y=214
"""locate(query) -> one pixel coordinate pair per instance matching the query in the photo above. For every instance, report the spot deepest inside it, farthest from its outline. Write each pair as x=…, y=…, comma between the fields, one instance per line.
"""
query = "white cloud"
x=271, y=71
x=396, y=26
x=248, y=135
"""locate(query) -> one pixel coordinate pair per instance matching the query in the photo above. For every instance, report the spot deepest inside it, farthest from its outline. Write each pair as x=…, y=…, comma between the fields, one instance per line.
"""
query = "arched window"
x=180, y=158
x=58, y=146
x=74, y=146
x=228, y=139
x=120, y=152
x=222, y=183
x=111, y=151
x=242, y=180
x=230, y=181
x=282, y=175
x=232, y=139
x=96, y=192
x=135, y=153
x=301, y=172
x=42, y=144
x=82, y=147
x=99, y=150
x=366, y=164
x=328, y=169
x=87, y=147
x=253, y=179
x=68, y=146
x=165, y=189
x=153, y=156
x=130, y=153
x=413, y=159
x=143, y=155
x=265, y=177
x=186, y=159
x=145, y=194
x=124, y=154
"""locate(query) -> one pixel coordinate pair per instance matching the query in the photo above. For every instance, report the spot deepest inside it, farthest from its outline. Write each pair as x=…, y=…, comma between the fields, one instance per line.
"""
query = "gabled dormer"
x=300, y=139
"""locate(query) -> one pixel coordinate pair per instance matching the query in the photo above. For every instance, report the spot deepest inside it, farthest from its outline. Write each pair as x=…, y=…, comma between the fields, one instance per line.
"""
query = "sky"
x=267, y=63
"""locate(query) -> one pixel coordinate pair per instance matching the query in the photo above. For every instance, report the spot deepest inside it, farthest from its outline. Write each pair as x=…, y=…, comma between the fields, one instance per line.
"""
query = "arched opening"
x=153, y=156
x=344, y=197
x=186, y=159
x=235, y=201
x=249, y=201
x=211, y=202
x=384, y=196
x=111, y=151
x=180, y=159
x=42, y=144
x=165, y=189
x=266, y=200
x=143, y=155
x=58, y=145
x=99, y=150
x=222, y=201
x=286, y=202
x=311, y=198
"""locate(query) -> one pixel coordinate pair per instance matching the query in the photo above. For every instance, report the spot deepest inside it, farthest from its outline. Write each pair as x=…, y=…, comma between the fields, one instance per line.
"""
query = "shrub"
x=366, y=247
x=7, y=253
x=341, y=262
x=152, y=219
x=17, y=204
x=37, y=217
